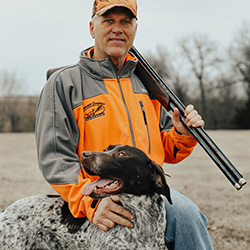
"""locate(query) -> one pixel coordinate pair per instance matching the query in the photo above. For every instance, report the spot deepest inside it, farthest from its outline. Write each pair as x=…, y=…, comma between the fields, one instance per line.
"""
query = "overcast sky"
x=40, y=34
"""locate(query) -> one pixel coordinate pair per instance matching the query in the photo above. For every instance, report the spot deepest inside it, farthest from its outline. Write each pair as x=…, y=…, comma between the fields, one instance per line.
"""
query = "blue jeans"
x=186, y=225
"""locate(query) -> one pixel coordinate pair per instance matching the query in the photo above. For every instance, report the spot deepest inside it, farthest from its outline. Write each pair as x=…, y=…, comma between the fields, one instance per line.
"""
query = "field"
x=197, y=177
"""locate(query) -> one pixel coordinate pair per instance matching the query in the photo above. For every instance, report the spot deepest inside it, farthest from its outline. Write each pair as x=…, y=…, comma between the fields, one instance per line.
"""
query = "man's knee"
x=186, y=224
x=183, y=208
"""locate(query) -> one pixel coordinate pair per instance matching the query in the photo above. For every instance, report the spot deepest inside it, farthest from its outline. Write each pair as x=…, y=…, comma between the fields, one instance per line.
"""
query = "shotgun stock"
x=159, y=89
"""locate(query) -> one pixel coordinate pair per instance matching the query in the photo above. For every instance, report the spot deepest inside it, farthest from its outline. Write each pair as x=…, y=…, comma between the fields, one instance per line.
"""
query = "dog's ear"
x=159, y=180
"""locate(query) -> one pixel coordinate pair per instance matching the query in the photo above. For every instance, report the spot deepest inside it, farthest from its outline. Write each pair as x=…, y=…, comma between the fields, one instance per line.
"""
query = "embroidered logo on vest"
x=94, y=110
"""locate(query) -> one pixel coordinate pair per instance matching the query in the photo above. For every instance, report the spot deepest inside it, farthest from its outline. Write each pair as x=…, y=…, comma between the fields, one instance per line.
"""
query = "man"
x=100, y=101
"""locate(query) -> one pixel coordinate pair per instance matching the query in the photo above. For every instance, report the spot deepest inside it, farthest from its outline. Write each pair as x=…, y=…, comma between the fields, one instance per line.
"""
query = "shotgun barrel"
x=159, y=89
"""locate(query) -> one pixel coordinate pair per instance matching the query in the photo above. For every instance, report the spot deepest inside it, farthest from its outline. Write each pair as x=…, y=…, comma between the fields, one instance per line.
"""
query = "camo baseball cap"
x=101, y=6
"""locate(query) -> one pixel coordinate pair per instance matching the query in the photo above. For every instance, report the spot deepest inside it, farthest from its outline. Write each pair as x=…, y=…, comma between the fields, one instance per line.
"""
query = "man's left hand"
x=192, y=119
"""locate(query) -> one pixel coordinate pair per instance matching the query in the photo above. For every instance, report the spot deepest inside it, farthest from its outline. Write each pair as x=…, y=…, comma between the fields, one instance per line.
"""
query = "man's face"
x=114, y=33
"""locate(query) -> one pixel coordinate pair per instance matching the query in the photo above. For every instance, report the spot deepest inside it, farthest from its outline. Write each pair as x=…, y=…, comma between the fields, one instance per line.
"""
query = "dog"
x=44, y=222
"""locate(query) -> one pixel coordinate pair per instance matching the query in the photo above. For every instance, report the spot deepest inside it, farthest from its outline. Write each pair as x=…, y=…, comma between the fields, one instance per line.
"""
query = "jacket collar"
x=103, y=69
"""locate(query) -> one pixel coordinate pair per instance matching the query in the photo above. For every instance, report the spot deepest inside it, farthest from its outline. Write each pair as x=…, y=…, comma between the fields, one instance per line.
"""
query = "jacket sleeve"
x=57, y=138
x=177, y=146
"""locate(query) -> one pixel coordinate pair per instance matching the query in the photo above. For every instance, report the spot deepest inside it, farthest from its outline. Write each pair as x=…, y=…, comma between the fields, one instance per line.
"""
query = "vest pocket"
x=146, y=124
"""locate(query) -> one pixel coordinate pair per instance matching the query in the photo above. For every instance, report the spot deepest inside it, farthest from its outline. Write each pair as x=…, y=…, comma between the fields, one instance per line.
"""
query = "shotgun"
x=159, y=89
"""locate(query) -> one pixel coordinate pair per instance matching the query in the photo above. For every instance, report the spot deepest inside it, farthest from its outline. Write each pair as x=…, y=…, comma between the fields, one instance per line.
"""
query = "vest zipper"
x=124, y=102
x=129, y=117
x=146, y=123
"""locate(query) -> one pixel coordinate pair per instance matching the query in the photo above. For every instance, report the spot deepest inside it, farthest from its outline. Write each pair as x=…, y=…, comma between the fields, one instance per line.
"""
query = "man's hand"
x=192, y=119
x=108, y=214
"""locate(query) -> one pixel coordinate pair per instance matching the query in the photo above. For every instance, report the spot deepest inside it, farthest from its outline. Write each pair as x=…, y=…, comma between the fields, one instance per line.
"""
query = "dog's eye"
x=121, y=154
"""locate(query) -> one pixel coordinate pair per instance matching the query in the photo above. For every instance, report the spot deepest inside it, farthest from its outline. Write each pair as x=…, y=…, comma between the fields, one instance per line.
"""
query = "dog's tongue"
x=89, y=188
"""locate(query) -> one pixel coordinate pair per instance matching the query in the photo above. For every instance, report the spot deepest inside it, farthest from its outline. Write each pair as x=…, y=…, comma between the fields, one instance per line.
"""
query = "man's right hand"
x=108, y=214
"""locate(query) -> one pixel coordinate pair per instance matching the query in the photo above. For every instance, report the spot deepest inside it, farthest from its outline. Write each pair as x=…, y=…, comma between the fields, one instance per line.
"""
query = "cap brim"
x=111, y=6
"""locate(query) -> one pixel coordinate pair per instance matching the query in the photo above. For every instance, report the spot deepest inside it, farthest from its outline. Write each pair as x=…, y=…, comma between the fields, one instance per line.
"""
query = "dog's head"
x=123, y=169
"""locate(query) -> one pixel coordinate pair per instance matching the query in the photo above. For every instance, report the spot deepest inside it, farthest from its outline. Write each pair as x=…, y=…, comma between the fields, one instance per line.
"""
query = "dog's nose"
x=86, y=154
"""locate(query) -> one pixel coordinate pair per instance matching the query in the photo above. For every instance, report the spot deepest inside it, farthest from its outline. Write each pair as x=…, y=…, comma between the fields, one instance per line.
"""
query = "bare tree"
x=10, y=114
x=159, y=61
x=167, y=67
x=3, y=114
x=240, y=55
x=201, y=54
x=240, y=58
x=10, y=85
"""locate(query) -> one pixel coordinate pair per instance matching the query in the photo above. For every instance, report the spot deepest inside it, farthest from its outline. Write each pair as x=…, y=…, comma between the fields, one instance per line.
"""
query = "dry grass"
x=197, y=177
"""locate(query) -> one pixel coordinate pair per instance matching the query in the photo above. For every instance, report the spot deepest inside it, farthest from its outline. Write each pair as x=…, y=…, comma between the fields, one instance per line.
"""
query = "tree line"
x=17, y=111
x=216, y=81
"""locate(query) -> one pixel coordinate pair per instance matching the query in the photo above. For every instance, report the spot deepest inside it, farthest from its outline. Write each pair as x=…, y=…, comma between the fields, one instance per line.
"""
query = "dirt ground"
x=197, y=177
